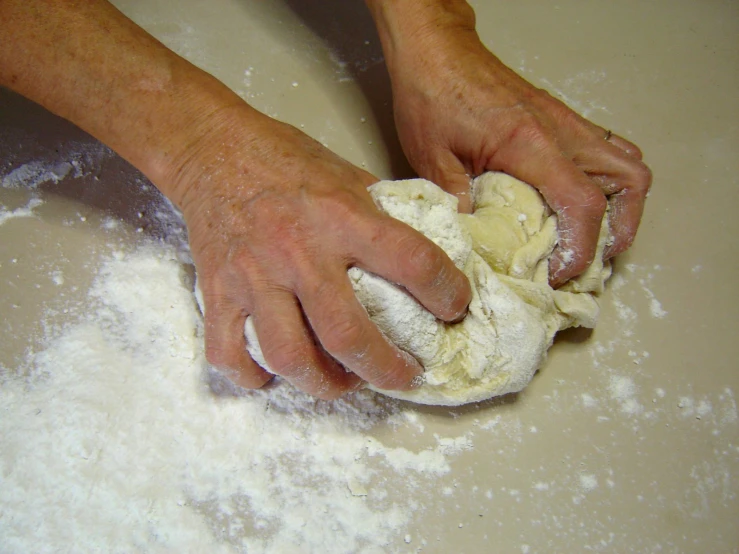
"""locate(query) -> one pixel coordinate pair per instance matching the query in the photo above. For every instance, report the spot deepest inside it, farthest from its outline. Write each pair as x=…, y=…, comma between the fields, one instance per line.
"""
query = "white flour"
x=114, y=440
x=24, y=211
x=32, y=174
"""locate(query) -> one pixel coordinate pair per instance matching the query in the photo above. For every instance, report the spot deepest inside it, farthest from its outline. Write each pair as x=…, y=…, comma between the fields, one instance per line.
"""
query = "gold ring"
x=609, y=134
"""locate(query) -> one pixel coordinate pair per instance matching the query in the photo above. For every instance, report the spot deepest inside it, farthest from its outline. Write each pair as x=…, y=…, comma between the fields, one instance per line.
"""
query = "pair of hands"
x=275, y=219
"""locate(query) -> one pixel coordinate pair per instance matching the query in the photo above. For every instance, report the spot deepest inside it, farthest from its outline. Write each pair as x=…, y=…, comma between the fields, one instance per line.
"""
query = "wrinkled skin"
x=460, y=112
x=289, y=217
x=280, y=252
x=275, y=219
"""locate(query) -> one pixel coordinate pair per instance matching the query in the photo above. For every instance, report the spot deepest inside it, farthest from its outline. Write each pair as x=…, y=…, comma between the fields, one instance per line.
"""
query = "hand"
x=275, y=221
x=460, y=112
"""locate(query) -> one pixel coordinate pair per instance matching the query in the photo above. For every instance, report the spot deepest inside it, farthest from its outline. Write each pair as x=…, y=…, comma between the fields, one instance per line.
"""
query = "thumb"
x=449, y=173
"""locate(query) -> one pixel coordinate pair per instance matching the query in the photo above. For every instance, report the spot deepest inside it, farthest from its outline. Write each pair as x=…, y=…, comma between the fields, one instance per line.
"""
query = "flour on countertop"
x=32, y=174
x=25, y=211
x=77, y=160
x=623, y=390
x=111, y=437
x=132, y=370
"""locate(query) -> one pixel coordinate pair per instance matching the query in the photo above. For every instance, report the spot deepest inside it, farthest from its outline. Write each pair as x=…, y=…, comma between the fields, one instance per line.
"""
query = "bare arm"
x=87, y=62
x=260, y=198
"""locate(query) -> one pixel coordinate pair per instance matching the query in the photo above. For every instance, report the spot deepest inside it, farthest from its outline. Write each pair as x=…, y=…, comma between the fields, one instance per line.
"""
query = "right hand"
x=275, y=220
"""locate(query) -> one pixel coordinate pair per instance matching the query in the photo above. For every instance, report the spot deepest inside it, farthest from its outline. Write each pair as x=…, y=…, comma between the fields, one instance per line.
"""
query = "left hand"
x=459, y=112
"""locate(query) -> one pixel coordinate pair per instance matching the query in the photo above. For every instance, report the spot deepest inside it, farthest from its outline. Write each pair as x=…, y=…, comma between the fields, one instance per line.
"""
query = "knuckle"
x=220, y=357
x=344, y=208
x=287, y=358
x=531, y=130
x=424, y=260
x=629, y=148
x=593, y=202
x=634, y=151
x=570, y=119
x=391, y=380
x=641, y=178
x=344, y=334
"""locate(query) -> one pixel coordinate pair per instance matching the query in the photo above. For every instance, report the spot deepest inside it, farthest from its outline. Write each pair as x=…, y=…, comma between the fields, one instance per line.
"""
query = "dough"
x=504, y=249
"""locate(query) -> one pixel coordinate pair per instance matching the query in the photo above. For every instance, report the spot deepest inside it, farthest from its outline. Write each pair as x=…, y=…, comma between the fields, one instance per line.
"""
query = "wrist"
x=188, y=122
x=217, y=133
x=406, y=25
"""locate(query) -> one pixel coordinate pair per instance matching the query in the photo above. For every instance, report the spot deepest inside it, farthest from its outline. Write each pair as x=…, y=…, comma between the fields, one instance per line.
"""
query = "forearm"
x=87, y=62
x=403, y=23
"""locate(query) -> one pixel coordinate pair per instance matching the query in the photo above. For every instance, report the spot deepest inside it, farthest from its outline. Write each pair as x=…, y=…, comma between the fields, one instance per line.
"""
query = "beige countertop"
x=626, y=441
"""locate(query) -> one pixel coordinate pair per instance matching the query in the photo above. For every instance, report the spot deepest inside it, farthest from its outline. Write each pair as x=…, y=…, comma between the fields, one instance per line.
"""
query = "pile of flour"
x=504, y=249
x=113, y=440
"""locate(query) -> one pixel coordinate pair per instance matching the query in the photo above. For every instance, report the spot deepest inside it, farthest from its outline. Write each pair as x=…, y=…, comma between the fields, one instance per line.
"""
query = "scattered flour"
x=655, y=306
x=588, y=401
x=115, y=437
x=25, y=211
x=588, y=482
x=32, y=174
x=623, y=390
x=259, y=472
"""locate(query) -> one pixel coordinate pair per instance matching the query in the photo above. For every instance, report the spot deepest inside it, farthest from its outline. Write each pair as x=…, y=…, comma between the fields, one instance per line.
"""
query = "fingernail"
x=461, y=317
x=417, y=382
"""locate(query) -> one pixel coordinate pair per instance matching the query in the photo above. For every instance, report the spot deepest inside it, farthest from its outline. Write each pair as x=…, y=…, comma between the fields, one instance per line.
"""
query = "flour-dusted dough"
x=504, y=249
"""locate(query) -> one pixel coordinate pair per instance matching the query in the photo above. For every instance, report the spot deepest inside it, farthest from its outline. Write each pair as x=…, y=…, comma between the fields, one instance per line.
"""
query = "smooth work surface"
x=628, y=439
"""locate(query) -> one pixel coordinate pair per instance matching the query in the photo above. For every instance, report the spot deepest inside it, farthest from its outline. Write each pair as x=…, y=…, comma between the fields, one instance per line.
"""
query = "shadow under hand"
x=348, y=30
x=53, y=156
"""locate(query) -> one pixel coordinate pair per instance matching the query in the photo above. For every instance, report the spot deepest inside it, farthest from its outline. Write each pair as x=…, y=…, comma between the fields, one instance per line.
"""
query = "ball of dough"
x=504, y=249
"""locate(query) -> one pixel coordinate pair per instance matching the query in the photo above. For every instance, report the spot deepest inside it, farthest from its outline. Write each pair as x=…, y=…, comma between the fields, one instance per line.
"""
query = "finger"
x=627, y=208
x=404, y=256
x=449, y=173
x=626, y=181
x=225, y=345
x=290, y=350
x=347, y=333
x=534, y=157
x=631, y=149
